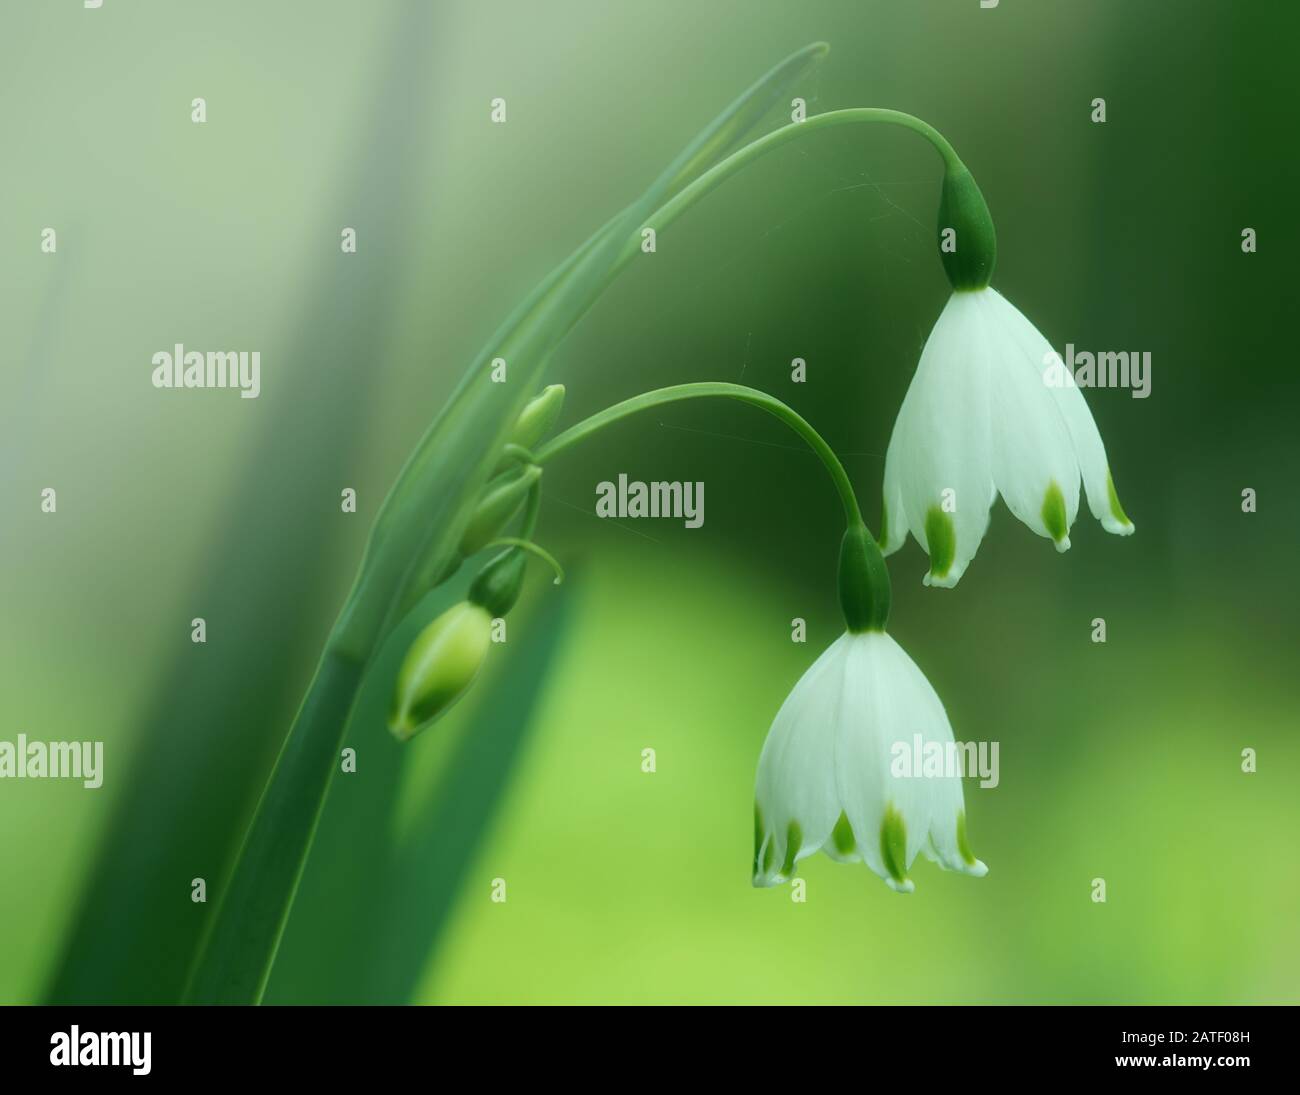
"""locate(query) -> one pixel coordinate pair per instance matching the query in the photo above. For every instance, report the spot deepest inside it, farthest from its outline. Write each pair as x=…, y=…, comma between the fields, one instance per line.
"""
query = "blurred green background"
x=1119, y=761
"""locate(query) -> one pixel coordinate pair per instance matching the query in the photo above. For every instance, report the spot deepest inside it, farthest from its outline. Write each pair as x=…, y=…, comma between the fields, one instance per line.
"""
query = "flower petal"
x=1088, y=447
x=1034, y=463
x=939, y=462
x=887, y=702
x=893, y=517
x=827, y=777
x=796, y=803
x=861, y=750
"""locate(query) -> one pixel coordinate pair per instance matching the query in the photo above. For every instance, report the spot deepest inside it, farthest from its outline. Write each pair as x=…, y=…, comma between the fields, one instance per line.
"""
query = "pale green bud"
x=441, y=664
x=538, y=416
x=499, y=503
x=534, y=422
x=497, y=586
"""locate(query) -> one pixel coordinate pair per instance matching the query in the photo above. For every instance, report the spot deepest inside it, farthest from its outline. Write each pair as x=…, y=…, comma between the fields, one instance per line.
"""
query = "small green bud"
x=497, y=586
x=534, y=422
x=538, y=416
x=969, y=265
x=441, y=664
x=501, y=500
x=864, y=581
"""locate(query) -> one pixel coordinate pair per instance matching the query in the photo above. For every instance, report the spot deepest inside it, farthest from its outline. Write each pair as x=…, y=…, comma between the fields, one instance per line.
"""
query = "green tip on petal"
x=793, y=842
x=941, y=541
x=1116, y=510
x=1054, y=519
x=842, y=836
x=758, y=833
x=893, y=845
x=963, y=844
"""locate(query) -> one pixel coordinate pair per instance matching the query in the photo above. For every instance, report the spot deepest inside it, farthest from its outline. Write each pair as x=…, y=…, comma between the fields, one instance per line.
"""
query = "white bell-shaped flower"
x=827, y=777
x=990, y=410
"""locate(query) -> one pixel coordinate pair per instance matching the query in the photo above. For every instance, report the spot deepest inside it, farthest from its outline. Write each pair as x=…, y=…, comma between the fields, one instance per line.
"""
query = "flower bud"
x=534, y=422
x=439, y=667
x=497, y=586
x=538, y=416
x=499, y=503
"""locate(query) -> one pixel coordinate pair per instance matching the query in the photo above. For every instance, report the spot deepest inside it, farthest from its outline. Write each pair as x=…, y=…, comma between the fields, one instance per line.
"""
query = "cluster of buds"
x=448, y=654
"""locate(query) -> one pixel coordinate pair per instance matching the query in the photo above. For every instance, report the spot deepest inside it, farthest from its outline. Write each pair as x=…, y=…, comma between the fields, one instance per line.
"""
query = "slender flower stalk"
x=957, y=188
x=824, y=779
x=678, y=393
x=445, y=658
x=534, y=549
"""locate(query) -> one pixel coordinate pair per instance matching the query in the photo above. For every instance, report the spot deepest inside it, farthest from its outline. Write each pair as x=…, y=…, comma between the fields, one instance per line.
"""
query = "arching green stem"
x=714, y=389
x=974, y=210
x=863, y=576
x=743, y=157
x=536, y=549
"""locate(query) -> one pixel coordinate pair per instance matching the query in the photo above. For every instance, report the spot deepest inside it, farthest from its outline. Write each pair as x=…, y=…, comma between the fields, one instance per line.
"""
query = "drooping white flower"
x=826, y=776
x=990, y=410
